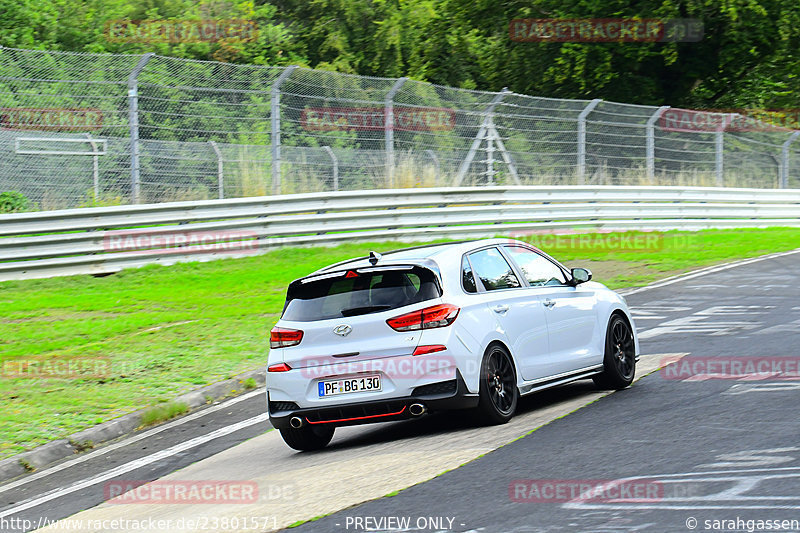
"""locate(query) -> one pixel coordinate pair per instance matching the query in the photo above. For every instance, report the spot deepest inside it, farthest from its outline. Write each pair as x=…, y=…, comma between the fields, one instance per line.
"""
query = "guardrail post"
x=220, y=174
x=481, y=135
x=388, y=128
x=651, y=142
x=133, y=122
x=582, y=139
x=785, y=159
x=435, y=159
x=275, y=127
x=335, y=163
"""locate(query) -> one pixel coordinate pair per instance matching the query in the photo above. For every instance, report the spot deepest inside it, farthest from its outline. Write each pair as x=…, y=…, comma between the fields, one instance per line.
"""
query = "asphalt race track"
x=715, y=449
x=674, y=452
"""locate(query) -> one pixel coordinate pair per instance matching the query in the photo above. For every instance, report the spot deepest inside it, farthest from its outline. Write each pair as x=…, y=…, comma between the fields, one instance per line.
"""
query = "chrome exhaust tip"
x=296, y=422
x=417, y=409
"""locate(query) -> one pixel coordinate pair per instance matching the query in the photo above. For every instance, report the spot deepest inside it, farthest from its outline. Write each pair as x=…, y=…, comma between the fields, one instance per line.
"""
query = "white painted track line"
x=133, y=465
x=127, y=441
x=367, y=472
x=333, y=479
x=705, y=271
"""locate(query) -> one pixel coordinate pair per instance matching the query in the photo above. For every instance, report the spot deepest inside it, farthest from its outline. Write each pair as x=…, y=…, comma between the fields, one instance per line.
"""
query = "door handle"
x=549, y=303
x=500, y=308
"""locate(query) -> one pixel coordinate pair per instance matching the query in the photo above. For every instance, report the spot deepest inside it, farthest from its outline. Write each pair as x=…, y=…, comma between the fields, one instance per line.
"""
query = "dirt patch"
x=618, y=274
x=603, y=271
x=75, y=315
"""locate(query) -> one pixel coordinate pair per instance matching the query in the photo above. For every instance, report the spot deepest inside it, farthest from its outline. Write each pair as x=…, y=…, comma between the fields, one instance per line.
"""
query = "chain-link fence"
x=88, y=129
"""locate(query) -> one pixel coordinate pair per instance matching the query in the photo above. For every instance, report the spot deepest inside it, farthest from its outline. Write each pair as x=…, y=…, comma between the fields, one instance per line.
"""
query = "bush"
x=13, y=202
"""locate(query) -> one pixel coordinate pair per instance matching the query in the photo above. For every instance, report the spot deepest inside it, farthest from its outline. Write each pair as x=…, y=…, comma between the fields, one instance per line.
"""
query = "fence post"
x=582, y=138
x=435, y=159
x=95, y=167
x=275, y=123
x=335, y=163
x=133, y=122
x=490, y=152
x=481, y=135
x=388, y=128
x=651, y=142
x=220, y=174
x=785, y=159
x=719, y=150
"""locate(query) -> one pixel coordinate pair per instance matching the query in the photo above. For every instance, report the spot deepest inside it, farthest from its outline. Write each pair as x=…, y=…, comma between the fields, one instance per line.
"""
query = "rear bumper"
x=440, y=396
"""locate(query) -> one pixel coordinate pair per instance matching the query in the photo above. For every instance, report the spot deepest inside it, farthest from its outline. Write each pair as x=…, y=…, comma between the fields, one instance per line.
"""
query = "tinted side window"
x=467, y=280
x=536, y=269
x=493, y=269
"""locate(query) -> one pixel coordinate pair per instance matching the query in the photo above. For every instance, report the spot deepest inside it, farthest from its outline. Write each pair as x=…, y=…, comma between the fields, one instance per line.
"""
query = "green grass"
x=81, y=446
x=165, y=411
x=157, y=332
x=301, y=522
x=27, y=465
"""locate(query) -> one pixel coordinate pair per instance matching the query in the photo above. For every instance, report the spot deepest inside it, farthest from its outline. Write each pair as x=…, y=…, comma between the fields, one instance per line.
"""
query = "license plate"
x=346, y=386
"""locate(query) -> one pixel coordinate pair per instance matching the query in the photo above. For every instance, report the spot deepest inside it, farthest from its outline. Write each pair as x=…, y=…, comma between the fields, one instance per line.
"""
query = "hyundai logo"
x=342, y=330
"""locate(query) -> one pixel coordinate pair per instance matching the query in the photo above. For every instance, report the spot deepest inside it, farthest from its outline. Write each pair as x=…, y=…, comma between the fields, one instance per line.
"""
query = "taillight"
x=279, y=367
x=284, y=337
x=429, y=348
x=437, y=316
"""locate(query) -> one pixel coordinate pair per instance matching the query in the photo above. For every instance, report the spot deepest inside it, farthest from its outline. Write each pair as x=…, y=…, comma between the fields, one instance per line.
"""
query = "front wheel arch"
x=624, y=316
x=617, y=311
x=617, y=361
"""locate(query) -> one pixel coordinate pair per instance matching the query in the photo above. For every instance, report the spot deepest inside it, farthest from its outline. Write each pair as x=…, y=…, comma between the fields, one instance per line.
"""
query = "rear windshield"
x=356, y=293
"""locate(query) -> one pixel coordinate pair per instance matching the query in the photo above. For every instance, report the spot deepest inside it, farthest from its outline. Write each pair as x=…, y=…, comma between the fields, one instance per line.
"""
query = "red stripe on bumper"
x=357, y=417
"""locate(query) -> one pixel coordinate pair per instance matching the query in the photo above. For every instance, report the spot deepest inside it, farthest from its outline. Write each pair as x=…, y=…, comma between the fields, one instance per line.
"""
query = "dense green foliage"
x=13, y=202
x=749, y=56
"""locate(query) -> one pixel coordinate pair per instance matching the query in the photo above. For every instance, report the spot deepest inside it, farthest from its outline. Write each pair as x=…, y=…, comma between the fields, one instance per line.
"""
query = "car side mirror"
x=581, y=275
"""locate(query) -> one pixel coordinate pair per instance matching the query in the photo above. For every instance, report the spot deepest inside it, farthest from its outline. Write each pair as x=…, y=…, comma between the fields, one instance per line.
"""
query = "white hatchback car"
x=447, y=326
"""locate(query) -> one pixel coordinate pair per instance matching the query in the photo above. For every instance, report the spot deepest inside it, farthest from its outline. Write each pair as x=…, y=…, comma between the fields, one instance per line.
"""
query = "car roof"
x=419, y=254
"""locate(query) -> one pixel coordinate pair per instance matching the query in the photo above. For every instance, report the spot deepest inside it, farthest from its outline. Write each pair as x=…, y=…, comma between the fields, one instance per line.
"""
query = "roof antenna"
x=374, y=257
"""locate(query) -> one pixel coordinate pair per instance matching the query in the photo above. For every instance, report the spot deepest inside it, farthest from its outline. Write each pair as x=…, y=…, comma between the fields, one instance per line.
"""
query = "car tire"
x=308, y=438
x=619, y=361
x=498, y=392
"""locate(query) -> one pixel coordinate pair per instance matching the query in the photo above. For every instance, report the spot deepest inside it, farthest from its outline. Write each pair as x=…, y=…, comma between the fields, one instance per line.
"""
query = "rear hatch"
x=343, y=314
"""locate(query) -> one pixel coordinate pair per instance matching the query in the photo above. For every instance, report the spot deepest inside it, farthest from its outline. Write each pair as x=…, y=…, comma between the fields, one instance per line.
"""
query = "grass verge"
x=163, y=412
x=143, y=336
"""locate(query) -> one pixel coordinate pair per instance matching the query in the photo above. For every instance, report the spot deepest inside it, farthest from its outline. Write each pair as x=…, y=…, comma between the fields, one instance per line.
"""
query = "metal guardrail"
x=108, y=239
